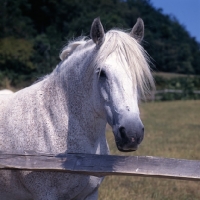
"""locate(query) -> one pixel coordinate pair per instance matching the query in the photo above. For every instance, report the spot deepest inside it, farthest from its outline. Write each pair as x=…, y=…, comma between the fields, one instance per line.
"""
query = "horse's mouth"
x=126, y=149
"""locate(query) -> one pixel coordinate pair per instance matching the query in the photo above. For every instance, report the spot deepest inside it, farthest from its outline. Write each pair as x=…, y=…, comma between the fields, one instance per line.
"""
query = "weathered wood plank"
x=103, y=165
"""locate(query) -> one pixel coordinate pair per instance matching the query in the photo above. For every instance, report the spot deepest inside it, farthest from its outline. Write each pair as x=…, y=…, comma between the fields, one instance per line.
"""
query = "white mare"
x=98, y=81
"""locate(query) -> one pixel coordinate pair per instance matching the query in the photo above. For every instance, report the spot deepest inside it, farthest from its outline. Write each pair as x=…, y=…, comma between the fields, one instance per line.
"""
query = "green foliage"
x=47, y=25
x=188, y=85
x=16, y=50
x=16, y=59
x=13, y=21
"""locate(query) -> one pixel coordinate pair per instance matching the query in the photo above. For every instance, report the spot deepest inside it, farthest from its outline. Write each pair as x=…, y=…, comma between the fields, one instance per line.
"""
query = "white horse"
x=5, y=91
x=98, y=81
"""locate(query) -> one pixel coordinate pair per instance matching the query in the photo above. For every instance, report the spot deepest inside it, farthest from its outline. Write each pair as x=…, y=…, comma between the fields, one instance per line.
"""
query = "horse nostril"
x=122, y=132
x=143, y=129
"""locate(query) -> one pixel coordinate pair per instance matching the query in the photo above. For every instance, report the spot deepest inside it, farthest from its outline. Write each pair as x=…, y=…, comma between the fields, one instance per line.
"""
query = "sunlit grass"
x=172, y=129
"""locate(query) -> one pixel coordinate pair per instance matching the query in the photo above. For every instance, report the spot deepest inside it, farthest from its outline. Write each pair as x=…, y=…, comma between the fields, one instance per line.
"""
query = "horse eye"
x=102, y=74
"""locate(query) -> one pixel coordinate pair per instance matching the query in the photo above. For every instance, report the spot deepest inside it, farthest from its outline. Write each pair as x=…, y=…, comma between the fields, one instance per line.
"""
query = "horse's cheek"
x=104, y=94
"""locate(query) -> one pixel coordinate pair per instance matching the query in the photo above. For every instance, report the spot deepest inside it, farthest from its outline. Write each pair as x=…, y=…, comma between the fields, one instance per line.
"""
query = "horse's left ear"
x=97, y=32
x=137, y=31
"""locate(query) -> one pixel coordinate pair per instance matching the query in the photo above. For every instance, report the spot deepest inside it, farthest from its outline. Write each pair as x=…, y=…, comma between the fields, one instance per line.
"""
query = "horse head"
x=122, y=73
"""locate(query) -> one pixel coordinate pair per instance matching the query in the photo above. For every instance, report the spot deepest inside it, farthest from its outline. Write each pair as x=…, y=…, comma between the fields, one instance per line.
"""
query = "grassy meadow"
x=172, y=129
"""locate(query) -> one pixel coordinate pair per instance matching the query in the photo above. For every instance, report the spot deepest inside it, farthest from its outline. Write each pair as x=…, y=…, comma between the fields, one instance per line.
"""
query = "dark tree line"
x=33, y=32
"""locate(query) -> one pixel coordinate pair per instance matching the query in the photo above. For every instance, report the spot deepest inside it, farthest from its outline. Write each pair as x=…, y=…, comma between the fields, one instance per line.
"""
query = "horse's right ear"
x=97, y=32
x=137, y=31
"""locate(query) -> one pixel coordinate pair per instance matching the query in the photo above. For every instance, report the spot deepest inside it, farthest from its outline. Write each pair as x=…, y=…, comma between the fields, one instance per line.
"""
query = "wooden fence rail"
x=103, y=165
x=174, y=91
x=156, y=94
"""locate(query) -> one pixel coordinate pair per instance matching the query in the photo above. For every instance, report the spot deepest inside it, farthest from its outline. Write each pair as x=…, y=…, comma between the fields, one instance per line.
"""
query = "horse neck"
x=85, y=128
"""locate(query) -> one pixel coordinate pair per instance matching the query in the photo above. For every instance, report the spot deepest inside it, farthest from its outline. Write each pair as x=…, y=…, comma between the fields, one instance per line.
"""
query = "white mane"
x=70, y=48
x=120, y=43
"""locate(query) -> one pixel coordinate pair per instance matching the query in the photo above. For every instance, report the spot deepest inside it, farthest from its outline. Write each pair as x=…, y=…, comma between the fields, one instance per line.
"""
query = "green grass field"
x=172, y=129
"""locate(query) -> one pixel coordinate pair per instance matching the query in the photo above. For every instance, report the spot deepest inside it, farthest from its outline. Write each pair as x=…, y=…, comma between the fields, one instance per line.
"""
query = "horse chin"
x=131, y=150
x=126, y=149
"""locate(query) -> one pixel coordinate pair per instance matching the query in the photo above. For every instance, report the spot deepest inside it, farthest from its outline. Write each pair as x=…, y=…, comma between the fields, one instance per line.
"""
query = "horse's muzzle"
x=127, y=141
